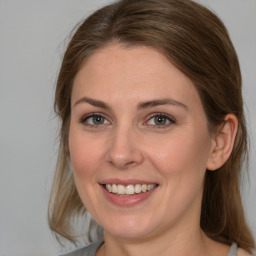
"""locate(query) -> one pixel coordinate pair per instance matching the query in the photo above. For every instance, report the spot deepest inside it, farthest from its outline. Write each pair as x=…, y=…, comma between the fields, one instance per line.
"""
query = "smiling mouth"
x=128, y=190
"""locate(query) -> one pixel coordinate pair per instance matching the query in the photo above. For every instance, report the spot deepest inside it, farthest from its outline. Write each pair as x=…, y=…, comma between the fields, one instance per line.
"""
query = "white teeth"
x=129, y=189
x=120, y=190
x=137, y=188
x=144, y=188
x=109, y=187
x=114, y=188
x=150, y=187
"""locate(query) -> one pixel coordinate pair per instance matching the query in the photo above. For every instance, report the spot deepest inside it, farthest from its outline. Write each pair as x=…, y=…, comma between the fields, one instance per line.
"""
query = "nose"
x=124, y=150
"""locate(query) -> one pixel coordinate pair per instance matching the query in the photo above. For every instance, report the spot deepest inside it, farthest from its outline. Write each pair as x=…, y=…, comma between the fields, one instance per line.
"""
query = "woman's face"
x=139, y=142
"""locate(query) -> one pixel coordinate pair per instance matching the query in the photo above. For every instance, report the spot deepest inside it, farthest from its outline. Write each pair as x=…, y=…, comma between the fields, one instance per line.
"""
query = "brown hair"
x=197, y=43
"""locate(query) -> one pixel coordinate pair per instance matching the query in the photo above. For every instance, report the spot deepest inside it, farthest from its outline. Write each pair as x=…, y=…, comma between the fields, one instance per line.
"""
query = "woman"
x=152, y=132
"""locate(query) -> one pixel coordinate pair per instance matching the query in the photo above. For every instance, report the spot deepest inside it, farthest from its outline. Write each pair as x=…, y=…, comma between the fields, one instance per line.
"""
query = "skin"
x=129, y=144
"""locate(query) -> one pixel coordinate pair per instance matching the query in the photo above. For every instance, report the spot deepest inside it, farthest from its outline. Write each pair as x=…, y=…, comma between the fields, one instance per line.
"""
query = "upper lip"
x=126, y=182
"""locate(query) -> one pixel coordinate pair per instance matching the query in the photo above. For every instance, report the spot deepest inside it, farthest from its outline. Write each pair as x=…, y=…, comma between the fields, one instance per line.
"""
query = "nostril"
x=130, y=163
x=121, y=165
x=123, y=153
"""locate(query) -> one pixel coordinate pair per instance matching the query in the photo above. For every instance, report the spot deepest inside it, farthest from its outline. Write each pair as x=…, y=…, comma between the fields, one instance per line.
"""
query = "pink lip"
x=128, y=200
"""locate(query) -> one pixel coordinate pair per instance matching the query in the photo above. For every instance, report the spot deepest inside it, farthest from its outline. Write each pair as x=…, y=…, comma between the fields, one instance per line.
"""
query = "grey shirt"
x=90, y=250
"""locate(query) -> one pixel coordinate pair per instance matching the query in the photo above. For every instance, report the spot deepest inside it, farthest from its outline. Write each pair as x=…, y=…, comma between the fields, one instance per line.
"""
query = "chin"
x=129, y=228
x=129, y=233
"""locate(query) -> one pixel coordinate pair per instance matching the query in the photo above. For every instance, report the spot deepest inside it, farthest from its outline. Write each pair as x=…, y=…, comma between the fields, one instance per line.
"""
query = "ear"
x=223, y=142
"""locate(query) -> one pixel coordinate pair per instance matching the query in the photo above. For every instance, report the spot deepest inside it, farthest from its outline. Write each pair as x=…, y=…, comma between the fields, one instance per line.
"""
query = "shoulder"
x=242, y=252
x=237, y=251
x=89, y=250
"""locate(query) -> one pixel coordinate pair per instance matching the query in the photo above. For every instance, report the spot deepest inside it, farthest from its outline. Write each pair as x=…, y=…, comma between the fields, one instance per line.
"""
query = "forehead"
x=134, y=72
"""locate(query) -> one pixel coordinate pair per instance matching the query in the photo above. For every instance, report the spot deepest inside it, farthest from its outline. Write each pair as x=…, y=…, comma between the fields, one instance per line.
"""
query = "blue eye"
x=94, y=120
x=160, y=120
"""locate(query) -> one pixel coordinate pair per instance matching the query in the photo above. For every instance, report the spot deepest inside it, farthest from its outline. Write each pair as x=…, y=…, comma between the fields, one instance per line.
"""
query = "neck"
x=189, y=242
x=183, y=238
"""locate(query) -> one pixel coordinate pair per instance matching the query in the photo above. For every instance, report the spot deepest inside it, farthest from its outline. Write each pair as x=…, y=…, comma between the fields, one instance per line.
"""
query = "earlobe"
x=223, y=143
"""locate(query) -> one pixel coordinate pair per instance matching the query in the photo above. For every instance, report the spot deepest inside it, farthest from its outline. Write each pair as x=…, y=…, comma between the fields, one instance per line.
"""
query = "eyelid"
x=87, y=116
x=171, y=119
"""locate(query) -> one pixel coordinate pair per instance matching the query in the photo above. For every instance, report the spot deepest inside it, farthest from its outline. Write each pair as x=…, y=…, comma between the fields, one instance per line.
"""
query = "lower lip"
x=128, y=200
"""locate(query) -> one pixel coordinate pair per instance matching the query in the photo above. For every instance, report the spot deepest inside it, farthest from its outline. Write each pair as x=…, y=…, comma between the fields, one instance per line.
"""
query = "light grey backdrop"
x=33, y=35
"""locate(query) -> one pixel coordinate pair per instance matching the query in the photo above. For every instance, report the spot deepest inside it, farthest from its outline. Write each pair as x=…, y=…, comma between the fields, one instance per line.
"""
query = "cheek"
x=181, y=161
x=84, y=153
x=181, y=153
x=85, y=158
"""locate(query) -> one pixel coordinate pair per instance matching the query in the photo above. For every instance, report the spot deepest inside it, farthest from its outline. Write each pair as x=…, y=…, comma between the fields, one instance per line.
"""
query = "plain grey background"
x=33, y=36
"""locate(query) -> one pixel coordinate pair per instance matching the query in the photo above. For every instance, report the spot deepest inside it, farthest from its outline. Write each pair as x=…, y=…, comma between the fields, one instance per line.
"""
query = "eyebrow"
x=93, y=102
x=142, y=105
x=159, y=102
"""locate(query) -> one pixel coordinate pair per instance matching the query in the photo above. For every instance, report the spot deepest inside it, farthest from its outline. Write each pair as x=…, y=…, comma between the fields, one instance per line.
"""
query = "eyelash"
x=84, y=119
x=170, y=120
